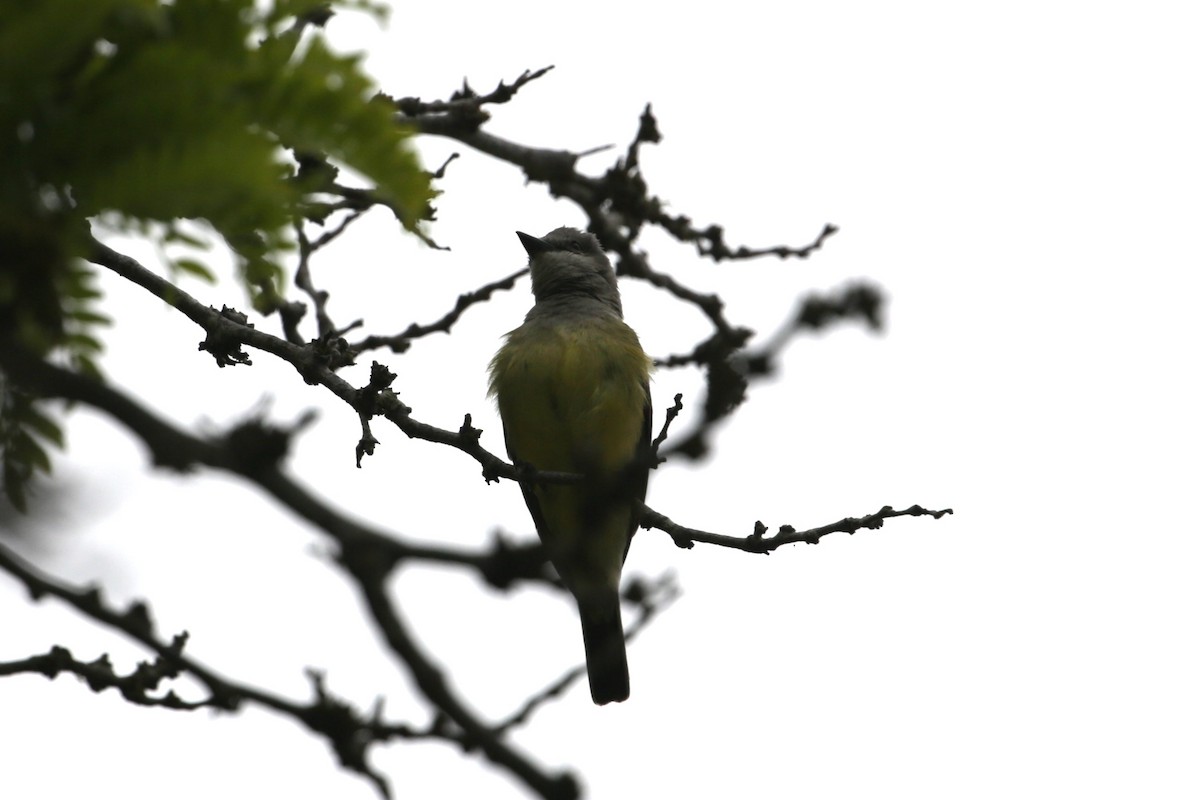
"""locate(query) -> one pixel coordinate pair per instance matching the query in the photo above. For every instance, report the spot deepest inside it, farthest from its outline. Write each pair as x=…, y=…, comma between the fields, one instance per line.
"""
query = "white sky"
x=1024, y=185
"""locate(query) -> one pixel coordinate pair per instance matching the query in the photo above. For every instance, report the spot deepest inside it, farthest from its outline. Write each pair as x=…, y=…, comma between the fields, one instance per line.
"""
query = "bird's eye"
x=575, y=247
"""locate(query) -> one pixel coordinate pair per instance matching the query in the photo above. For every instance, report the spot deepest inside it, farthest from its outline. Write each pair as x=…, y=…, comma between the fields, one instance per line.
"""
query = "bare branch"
x=255, y=451
x=759, y=542
x=100, y=675
x=401, y=341
x=303, y=278
x=362, y=563
x=464, y=109
x=228, y=331
x=347, y=732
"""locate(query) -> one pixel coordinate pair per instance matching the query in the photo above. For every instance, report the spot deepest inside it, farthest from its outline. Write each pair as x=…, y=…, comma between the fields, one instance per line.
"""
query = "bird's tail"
x=604, y=647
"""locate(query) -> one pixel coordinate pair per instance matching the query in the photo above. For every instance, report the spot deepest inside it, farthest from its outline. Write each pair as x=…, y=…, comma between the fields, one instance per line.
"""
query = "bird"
x=572, y=385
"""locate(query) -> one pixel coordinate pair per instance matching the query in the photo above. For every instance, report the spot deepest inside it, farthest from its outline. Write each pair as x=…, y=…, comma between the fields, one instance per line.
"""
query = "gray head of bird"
x=566, y=264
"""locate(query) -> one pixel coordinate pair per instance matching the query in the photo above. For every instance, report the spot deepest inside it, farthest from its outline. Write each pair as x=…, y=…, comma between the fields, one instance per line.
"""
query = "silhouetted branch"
x=228, y=331
x=400, y=342
x=730, y=371
x=759, y=542
x=348, y=732
x=464, y=108
x=100, y=675
x=434, y=685
x=254, y=451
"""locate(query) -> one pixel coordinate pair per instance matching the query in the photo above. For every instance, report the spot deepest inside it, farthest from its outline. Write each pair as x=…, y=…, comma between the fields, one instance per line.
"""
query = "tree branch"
x=432, y=682
x=254, y=451
x=400, y=342
x=100, y=675
x=228, y=331
x=347, y=732
x=759, y=542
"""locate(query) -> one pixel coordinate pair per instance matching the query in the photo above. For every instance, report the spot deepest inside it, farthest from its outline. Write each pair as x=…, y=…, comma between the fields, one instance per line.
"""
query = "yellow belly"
x=573, y=399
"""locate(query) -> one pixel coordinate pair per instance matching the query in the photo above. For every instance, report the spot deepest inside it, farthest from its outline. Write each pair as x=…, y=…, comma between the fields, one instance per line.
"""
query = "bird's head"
x=569, y=263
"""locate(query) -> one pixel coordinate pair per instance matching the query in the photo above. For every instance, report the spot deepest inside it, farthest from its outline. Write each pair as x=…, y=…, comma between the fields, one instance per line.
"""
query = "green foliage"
x=80, y=318
x=23, y=428
x=160, y=111
x=147, y=112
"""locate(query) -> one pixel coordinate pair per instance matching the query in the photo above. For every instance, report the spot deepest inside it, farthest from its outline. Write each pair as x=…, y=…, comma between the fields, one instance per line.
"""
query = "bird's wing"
x=641, y=478
x=531, y=501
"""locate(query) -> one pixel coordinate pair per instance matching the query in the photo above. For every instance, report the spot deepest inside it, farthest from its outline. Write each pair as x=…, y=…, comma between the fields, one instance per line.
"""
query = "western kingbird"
x=573, y=388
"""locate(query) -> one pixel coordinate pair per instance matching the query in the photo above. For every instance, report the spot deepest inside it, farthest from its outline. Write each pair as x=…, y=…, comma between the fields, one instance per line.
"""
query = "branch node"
x=469, y=433
x=257, y=446
x=224, y=346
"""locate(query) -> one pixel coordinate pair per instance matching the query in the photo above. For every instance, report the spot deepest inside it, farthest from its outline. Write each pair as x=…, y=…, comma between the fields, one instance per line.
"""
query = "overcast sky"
x=1023, y=183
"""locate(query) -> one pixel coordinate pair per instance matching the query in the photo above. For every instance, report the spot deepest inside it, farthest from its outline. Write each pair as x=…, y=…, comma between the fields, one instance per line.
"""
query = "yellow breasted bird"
x=573, y=388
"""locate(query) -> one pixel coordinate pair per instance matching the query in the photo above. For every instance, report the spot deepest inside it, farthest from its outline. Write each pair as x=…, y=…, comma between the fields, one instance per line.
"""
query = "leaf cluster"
x=24, y=432
x=147, y=112
x=154, y=111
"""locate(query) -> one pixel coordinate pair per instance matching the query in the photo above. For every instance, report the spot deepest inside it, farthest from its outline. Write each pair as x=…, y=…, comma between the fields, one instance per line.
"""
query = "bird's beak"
x=533, y=245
